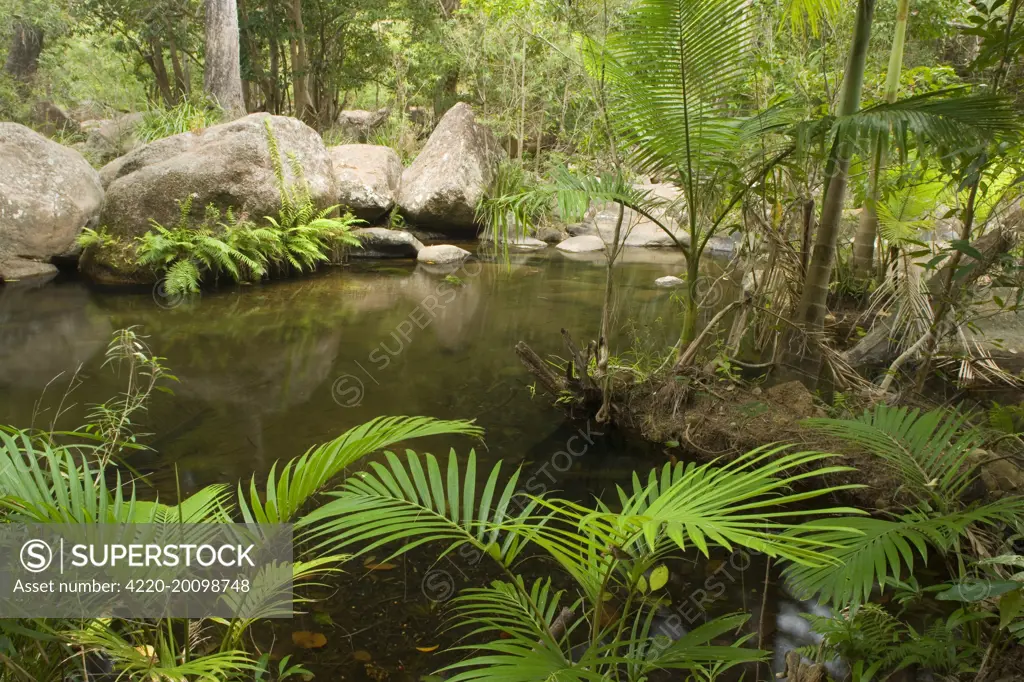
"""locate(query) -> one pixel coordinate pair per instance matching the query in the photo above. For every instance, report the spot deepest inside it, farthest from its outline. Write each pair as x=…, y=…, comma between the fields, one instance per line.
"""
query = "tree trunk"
x=814, y=299
x=182, y=86
x=156, y=63
x=222, y=76
x=23, y=55
x=300, y=65
x=867, y=230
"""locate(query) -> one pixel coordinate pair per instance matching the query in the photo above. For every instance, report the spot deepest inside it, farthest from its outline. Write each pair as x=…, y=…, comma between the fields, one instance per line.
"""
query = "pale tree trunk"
x=811, y=312
x=300, y=82
x=23, y=55
x=222, y=77
x=867, y=230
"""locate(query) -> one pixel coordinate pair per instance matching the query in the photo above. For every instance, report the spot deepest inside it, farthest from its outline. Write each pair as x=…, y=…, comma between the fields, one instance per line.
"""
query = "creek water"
x=266, y=371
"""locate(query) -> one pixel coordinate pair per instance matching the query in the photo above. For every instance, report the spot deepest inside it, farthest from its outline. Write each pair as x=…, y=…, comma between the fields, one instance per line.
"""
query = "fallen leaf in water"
x=372, y=565
x=426, y=649
x=308, y=640
x=362, y=655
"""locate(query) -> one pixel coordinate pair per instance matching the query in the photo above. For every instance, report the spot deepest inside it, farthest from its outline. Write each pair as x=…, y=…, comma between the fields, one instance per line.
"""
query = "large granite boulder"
x=48, y=193
x=636, y=229
x=228, y=165
x=367, y=178
x=380, y=242
x=443, y=185
x=110, y=138
x=359, y=124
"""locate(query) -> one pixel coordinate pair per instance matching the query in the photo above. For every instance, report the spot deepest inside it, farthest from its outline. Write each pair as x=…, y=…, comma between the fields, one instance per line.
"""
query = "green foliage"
x=883, y=644
x=42, y=482
x=403, y=503
x=224, y=244
x=930, y=452
x=189, y=115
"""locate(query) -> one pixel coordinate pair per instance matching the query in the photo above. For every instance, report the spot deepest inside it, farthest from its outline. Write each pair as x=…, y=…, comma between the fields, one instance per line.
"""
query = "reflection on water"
x=266, y=371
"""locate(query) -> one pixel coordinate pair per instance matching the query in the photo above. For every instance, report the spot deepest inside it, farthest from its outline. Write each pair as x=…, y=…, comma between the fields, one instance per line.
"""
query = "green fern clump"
x=184, y=254
x=96, y=239
x=300, y=237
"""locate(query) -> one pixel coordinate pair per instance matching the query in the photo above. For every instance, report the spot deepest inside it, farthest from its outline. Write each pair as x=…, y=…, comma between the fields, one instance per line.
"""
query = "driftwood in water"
x=576, y=379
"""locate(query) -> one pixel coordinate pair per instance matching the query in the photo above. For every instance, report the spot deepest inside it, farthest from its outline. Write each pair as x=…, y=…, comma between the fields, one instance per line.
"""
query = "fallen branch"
x=686, y=359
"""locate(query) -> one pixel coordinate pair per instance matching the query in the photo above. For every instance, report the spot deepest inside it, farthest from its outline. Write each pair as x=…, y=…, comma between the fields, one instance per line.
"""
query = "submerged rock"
x=48, y=193
x=367, y=177
x=442, y=254
x=380, y=242
x=581, y=244
x=669, y=281
x=443, y=185
x=228, y=165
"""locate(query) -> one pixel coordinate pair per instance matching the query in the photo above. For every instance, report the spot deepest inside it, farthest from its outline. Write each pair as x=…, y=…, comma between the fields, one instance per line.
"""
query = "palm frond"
x=669, y=69
x=696, y=649
x=303, y=477
x=948, y=119
x=735, y=505
x=886, y=550
x=413, y=503
x=929, y=451
x=40, y=483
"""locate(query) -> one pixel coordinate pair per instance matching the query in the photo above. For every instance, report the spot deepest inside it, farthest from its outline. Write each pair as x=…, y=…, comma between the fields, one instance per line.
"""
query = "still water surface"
x=267, y=371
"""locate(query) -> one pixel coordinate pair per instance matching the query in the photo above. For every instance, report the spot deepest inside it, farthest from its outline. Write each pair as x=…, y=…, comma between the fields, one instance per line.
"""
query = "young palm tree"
x=44, y=483
x=867, y=230
x=604, y=626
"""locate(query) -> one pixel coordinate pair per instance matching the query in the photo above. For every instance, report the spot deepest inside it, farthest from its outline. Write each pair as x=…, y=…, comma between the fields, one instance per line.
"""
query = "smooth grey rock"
x=527, y=243
x=441, y=188
x=380, y=242
x=581, y=244
x=636, y=229
x=669, y=281
x=111, y=138
x=442, y=254
x=48, y=193
x=520, y=242
x=227, y=165
x=367, y=178
x=360, y=124
x=14, y=269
